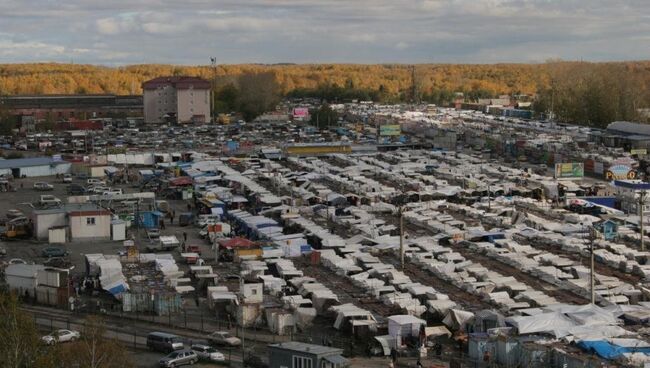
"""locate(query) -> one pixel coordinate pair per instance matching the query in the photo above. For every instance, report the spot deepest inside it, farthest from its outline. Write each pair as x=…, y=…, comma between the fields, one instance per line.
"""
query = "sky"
x=118, y=32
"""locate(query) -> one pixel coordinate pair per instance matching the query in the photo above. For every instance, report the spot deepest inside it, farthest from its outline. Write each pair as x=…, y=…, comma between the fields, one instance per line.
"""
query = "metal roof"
x=306, y=348
x=27, y=162
x=629, y=128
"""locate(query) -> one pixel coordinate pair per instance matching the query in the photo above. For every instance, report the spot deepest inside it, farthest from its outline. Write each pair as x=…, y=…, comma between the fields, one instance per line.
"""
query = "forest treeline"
x=588, y=93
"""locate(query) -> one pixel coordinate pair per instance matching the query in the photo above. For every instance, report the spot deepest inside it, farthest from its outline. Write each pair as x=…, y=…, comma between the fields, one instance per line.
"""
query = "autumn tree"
x=94, y=349
x=20, y=344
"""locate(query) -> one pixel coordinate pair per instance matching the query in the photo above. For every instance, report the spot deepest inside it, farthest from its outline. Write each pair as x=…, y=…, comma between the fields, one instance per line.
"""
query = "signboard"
x=639, y=151
x=57, y=158
x=390, y=130
x=300, y=112
x=569, y=170
x=620, y=172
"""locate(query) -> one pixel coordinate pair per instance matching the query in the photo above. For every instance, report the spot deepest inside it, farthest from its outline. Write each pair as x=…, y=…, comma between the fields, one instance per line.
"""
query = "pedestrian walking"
x=184, y=236
x=162, y=224
x=171, y=218
x=189, y=207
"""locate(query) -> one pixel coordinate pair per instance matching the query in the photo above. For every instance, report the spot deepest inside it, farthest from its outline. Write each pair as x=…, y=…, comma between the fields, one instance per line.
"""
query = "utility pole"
x=213, y=62
x=642, y=195
x=591, y=274
x=489, y=198
x=401, y=235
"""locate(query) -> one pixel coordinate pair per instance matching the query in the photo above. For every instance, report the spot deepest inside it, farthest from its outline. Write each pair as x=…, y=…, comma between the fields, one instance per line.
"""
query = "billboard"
x=639, y=152
x=300, y=112
x=390, y=130
x=569, y=170
x=620, y=172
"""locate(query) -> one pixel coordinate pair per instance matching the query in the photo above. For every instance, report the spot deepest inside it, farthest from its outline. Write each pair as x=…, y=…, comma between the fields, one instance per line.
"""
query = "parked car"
x=98, y=190
x=67, y=178
x=165, y=342
x=94, y=181
x=82, y=176
x=208, y=353
x=112, y=192
x=50, y=252
x=43, y=186
x=76, y=189
x=14, y=213
x=178, y=358
x=59, y=336
x=223, y=338
x=49, y=200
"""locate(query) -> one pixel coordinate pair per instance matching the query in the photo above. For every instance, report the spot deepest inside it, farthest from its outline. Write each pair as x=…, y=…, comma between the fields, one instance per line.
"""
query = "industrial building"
x=73, y=106
x=176, y=99
x=76, y=221
x=34, y=166
x=628, y=135
x=298, y=354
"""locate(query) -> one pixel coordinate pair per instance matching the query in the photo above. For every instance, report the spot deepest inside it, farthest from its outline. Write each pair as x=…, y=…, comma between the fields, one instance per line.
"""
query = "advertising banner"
x=390, y=130
x=639, y=152
x=300, y=112
x=569, y=170
x=620, y=172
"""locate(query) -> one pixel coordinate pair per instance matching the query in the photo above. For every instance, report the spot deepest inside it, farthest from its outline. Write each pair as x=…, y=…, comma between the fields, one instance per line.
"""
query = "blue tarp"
x=607, y=350
x=603, y=201
x=117, y=289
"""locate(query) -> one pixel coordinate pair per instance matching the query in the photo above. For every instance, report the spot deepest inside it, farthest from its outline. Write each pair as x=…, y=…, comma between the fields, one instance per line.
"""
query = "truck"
x=18, y=228
x=163, y=244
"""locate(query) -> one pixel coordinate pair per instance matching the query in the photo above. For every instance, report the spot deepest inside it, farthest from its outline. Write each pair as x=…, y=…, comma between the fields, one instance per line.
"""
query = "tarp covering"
x=615, y=348
x=235, y=243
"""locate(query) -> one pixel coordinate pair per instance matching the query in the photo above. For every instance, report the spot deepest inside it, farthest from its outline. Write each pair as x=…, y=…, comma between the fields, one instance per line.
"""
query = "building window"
x=301, y=362
x=90, y=221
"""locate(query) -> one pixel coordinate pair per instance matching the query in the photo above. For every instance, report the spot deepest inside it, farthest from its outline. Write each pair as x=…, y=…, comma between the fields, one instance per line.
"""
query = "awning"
x=336, y=359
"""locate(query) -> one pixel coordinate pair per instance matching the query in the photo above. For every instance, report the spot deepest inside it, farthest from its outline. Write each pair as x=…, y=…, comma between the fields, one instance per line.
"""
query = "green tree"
x=258, y=93
x=227, y=98
x=324, y=117
x=20, y=344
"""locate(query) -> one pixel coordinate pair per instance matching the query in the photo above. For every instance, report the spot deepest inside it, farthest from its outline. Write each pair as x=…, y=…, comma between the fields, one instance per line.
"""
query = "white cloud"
x=323, y=30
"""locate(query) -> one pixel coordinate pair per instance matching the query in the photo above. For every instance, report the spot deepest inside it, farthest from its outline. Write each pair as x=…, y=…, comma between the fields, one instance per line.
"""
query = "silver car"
x=208, y=353
x=178, y=358
x=59, y=336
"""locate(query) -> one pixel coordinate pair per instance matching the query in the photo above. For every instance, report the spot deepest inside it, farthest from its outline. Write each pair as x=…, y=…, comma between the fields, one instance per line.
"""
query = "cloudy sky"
x=116, y=32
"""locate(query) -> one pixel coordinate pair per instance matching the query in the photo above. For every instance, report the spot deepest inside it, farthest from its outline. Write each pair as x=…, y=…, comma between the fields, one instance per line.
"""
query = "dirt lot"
x=30, y=250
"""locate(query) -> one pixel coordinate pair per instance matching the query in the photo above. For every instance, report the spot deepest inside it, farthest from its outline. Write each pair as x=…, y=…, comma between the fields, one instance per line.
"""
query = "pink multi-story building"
x=176, y=99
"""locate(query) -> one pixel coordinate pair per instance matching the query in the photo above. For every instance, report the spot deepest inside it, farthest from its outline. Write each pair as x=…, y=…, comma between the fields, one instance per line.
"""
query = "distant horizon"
x=327, y=63
x=127, y=32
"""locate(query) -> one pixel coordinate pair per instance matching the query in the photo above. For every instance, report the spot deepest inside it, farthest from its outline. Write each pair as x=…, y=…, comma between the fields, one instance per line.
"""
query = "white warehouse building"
x=34, y=166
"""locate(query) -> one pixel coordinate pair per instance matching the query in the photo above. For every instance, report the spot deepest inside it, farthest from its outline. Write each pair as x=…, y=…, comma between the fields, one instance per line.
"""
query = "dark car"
x=50, y=252
x=76, y=189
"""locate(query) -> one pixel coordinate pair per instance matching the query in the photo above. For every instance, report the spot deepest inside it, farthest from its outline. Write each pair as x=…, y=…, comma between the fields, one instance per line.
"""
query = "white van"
x=94, y=181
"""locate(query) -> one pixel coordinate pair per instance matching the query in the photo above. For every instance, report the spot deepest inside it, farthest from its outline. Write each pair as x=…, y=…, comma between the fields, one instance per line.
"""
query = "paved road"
x=130, y=333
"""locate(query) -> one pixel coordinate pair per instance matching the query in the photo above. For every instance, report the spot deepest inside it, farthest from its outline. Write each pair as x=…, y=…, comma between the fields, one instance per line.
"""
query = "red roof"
x=181, y=181
x=235, y=243
x=177, y=82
